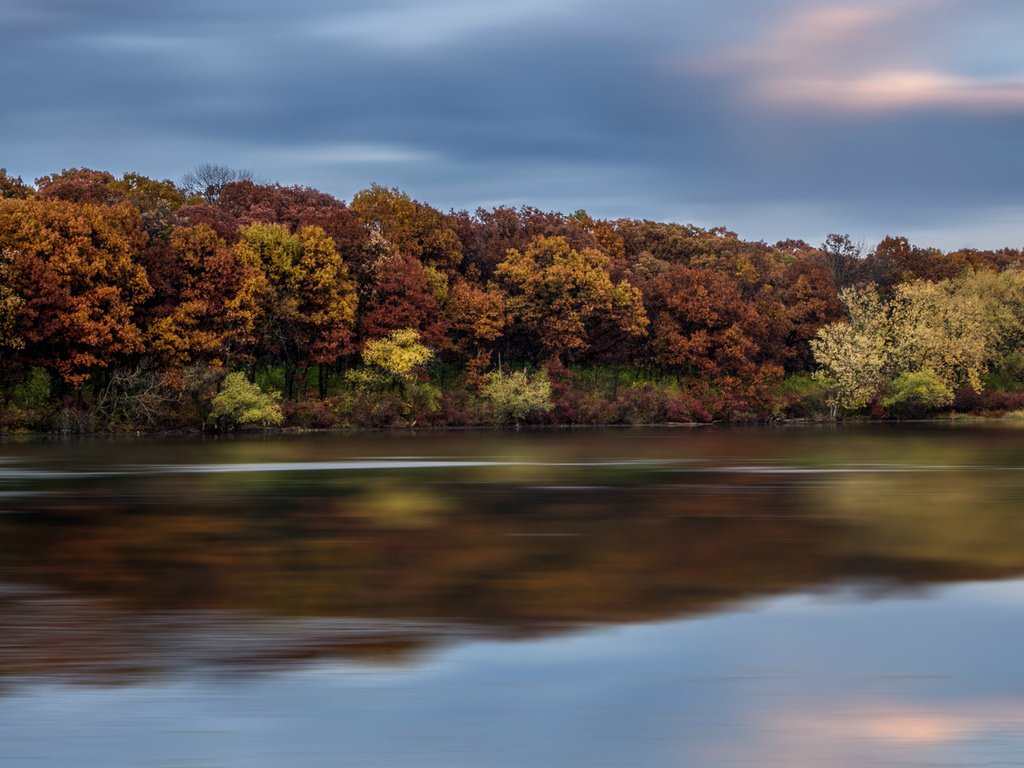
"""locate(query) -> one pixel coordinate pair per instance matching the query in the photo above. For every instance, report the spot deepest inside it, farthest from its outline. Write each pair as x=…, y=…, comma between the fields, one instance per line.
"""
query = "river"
x=623, y=597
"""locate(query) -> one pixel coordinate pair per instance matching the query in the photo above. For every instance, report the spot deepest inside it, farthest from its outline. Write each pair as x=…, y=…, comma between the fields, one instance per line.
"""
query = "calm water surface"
x=661, y=597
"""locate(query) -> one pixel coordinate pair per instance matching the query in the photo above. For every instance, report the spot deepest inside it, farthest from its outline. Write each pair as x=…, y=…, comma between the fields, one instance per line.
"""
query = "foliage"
x=702, y=325
x=398, y=356
x=398, y=295
x=476, y=318
x=932, y=326
x=408, y=226
x=135, y=295
x=517, y=396
x=558, y=296
x=13, y=186
x=79, y=185
x=915, y=393
x=999, y=298
x=202, y=314
x=804, y=395
x=10, y=303
x=28, y=400
x=240, y=403
x=77, y=284
x=303, y=300
x=852, y=354
x=1007, y=372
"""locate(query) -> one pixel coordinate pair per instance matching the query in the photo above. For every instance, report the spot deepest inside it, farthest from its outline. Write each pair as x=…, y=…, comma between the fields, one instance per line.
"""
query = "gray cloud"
x=781, y=118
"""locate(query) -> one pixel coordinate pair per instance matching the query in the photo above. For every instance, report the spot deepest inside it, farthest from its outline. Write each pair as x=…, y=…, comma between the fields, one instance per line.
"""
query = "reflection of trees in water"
x=263, y=568
x=960, y=520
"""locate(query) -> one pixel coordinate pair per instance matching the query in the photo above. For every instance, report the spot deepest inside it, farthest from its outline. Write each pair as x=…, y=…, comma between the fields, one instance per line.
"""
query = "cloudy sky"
x=776, y=118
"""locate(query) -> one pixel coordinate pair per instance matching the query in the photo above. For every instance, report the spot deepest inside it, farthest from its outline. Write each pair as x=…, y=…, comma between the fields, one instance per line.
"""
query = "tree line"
x=128, y=303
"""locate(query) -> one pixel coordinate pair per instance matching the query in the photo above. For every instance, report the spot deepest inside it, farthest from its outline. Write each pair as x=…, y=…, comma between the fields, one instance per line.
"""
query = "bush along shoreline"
x=137, y=304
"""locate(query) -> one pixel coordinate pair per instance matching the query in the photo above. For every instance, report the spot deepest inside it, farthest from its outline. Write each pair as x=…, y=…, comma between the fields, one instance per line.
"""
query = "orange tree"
x=77, y=282
x=558, y=297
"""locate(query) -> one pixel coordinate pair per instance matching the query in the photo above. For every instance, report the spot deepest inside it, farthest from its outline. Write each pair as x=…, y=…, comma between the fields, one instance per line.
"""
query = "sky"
x=773, y=118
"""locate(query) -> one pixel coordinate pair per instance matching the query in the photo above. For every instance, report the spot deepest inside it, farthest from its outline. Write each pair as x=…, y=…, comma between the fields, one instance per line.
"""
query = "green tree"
x=916, y=393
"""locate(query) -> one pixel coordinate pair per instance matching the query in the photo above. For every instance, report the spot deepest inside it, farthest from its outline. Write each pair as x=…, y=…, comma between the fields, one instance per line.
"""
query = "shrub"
x=29, y=404
x=310, y=414
x=240, y=403
x=517, y=396
x=1007, y=374
x=1000, y=402
x=915, y=393
x=803, y=395
x=399, y=355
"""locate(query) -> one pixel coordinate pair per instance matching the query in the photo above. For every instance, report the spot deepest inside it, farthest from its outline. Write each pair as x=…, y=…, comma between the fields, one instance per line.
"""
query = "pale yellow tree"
x=929, y=333
x=934, y=326
x=852, y=354
x=1001, y=296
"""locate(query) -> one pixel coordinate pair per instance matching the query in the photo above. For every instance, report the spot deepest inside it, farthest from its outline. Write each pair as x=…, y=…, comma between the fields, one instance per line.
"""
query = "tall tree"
x=702, y=325
x=932, y=326
x=13, y=186
x=80, y=185
x=203, y=314
x=852, y=353
x=841, y=257
x=477, y=317
x=558, y=296
x=77, y=281
x=306, y=299
x=400, y=292
x=409, y=227
x=206, y=180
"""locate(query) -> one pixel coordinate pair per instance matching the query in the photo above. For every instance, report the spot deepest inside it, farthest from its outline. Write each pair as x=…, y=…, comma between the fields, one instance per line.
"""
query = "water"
x=661, y=597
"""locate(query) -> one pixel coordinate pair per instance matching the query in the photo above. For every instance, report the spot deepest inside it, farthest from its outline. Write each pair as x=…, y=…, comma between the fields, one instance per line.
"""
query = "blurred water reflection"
x=663, y=597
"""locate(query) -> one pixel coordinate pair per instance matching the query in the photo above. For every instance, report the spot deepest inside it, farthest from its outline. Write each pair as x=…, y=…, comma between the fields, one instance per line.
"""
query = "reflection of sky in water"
x=796, y=681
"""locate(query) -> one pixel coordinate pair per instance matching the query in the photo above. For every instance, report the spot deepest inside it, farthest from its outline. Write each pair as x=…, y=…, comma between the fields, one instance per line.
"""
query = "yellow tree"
x=398, y=357
x=306, y=300
x=1001, y=297
x=933, y=326
x=852, y=353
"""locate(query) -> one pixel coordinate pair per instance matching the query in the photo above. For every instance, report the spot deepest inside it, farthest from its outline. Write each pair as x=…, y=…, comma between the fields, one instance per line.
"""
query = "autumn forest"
x=222, y=302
